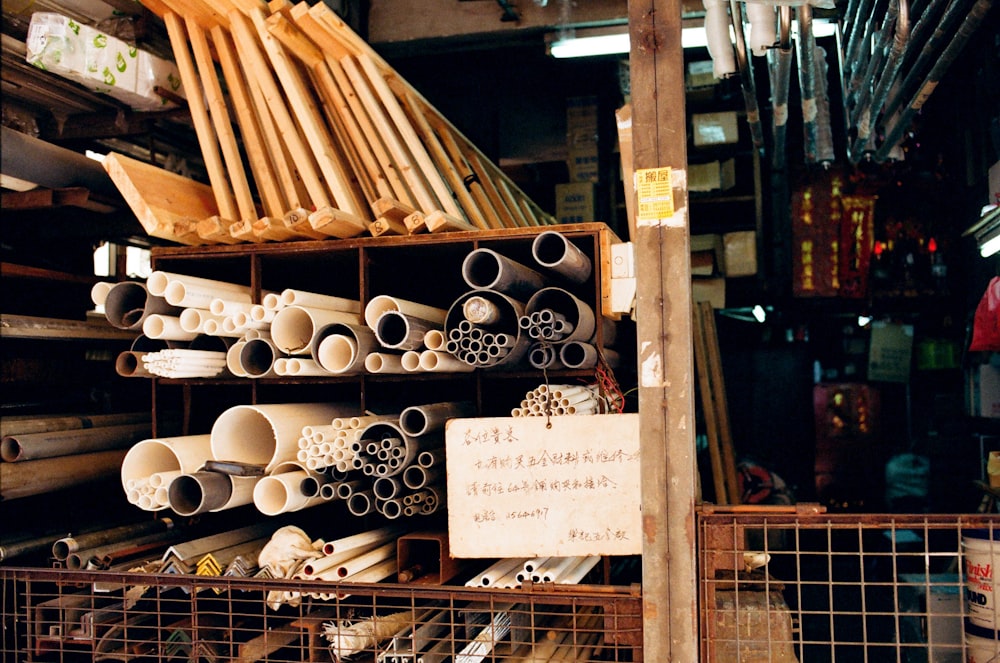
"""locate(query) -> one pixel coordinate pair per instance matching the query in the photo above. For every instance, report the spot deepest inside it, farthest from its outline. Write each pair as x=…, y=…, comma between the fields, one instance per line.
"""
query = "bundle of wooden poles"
x=307, y=133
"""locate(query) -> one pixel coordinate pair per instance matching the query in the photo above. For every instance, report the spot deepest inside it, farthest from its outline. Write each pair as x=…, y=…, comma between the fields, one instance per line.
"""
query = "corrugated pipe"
x=950, y=54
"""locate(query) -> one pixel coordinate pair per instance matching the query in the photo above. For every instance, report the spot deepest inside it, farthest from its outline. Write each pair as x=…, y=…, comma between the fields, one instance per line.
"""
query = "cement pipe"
x=410, y=361
x=382, y=303
x=159, y=281
x=552, y=250
x=194, y=319
x=399, y=331
x=418, y=420
x=434, y=361
x=267, y=434
x=434, y=339
x=23, y=424
x=99, y=292
x=63, y=547
x=574, y=311
x=292, y=297
x=128, y=304
x=383, y=362
x=281, y=492
x=295, y=327
x=489, y=270
x=35, y=446
x=257, y=358
x=720, y=45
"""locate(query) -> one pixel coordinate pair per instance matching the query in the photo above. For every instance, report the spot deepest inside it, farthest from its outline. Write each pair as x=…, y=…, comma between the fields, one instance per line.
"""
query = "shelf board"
x=30, y=327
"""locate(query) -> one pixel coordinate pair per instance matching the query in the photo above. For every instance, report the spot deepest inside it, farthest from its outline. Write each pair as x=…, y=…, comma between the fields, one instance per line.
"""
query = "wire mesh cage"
x=813, y=587
x=59, y=615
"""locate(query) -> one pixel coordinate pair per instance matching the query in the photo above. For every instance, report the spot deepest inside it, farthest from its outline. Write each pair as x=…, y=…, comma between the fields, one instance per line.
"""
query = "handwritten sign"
x=517, y=488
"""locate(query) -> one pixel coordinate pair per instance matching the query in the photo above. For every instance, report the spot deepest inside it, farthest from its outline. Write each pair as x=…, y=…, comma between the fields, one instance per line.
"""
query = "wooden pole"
x=663, y=310
x=709, y=410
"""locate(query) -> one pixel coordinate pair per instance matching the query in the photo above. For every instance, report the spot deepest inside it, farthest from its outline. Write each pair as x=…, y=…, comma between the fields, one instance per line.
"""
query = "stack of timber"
x=307, y=133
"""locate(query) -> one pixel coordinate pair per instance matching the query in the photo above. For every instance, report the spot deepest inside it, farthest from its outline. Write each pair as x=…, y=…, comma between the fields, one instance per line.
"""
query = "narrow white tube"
x=302, y=366
x=294, y=327
x=193, y=319
x=383, y=362
x=222, y=307
x=258, y=313
x=272, y=301
x=382, y=303
x=367, y=559
x=578, y=572
x=159, y=280
x=555, y=567
x=166, y=327
x=325, y=568
x=496, y=571
x=191, y=295
x=292, y=297
x=267, y=434
x=552, y=250
x=434, y=339
x=99, y=292
x=434, y=361
x=410, y=361
x=281, y=366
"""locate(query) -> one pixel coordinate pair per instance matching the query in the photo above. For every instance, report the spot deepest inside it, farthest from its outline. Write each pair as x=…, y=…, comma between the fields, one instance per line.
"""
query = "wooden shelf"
x=30, y=327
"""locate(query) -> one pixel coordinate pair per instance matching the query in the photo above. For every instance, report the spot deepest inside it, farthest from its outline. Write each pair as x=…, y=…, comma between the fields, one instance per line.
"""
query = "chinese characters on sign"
x=517, y=488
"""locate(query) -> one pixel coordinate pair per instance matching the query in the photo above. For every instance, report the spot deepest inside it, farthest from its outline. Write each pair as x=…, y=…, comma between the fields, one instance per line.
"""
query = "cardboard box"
x=582, y=139
x=712, y=176
x=740, y=253
x=714, y=128
x=575, y=202
x=890, y=352
x=700, y=73
x=709, y=290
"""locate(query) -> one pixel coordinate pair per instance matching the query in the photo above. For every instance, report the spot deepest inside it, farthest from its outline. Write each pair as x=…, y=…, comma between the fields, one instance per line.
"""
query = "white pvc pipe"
x=354, y=541
x=260, y=314
x=191, y=295
x=257, y=358
x=434, y=339
x=281, y=366
x=99, y=292
x=497, y=571
x=383, y=362
x=233, y=359
x=222, y=307
x=194, y=319
x=294, y=327
x=555, y=567
x=166, y=327
x=400, y=331
x=480, y=311
x=186, y=453
x=553, y=251
x=434, y=361
x=347, y=354
x=410, y=361
x=281, y=493
x=367, y=559
x=159, y=280
x=325, y=568
x=361, y=502
x=301, y=366
x=382, y=303
x=577, y=573
x=267, y=434
x=292, y=297
x=419, y=420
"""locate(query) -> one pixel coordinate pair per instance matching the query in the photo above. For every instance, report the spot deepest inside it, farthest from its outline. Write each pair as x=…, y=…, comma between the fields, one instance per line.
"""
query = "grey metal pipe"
x=552, y=250
x=400, y=331
x=824, y=130
x=746, y=76
x=34, y=160
x=418, y=420
x=859, y=85
x=487, y=269
x=806, y=49
x=199, y=492
x=62, y=548
x=950, y=54
x=128, y=304
x=779, y=69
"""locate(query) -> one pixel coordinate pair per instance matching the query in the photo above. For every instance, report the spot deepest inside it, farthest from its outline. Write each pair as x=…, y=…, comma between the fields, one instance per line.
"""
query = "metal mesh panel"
x=56, y=615
x=810, y=587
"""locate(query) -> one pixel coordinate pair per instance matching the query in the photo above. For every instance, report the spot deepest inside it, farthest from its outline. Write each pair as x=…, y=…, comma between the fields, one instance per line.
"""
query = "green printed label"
x=133, y=51
x=109, y=76
x=174, y=81
x=74, y=27
x=120, y=64
x=101, y=41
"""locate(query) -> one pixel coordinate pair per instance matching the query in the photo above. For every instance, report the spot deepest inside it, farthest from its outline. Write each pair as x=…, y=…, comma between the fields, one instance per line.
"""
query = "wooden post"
x=663, y=310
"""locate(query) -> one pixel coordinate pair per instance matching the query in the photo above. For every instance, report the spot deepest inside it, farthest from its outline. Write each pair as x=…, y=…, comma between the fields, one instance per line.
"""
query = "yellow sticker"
x=655, y=194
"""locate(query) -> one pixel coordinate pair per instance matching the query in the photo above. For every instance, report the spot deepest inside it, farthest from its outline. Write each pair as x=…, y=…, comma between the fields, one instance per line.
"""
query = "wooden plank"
x=271, y=196
x=215, y=230
x=304, y=107
x=225, y=203
x=256, y=64
x=390, y=208
x=244, y=231
x=219, y=114
x=333, y=222
x=26, y=326
x=438, y=221
x=297, y=220
x=157, y=197
x=709, y=408
x=273, y=230
x=388, y=132
x=490, y=215
x=415, y=223
x=386, y=226
x=417, y=149
x=484, y=179
x=512, y=203
x=722, y=404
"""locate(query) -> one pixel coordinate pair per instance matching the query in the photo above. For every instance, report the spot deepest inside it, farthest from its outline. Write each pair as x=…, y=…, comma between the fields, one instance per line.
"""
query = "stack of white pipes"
x=510, y=572
x=368, y=556
x=561, y=399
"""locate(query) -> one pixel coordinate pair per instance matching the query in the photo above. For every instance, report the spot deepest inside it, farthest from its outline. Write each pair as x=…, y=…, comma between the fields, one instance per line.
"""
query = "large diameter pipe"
x=489, y=270
x=382, y=430
x=186, y=453
x=552, y=250
x=382, y=303
x=23, y=424
x=281, y=492
x=399, y=331
x=268, y=434
x=347, y=353
x=257, y=358
x=63, y=547
x=576, y=312
x=128, y=304
x=294, y=327
x=234, y=359
x=418, y=420
x=199, y=492
x=37, y=477
x=35, y=446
